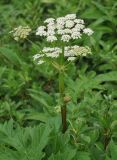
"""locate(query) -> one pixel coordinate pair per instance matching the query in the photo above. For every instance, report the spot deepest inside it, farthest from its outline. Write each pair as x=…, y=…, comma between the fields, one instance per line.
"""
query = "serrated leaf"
x=27, y=142
x=67, y=155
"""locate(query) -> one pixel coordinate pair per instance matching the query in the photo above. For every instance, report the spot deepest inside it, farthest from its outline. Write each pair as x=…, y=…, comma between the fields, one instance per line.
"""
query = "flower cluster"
x=70, y=53
x=21, y=32
x=63, y=28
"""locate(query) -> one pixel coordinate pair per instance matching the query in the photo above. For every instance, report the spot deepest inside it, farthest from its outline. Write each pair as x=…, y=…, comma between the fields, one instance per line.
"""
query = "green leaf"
x=89, y=13
x=113, y=150
x=67, y=155
x=10, y=55
x=36, y=116
x=2, y=70
x=41, y=101
x=25, y=143
x=101, y=8
x=111, y=76
x=85, y=138
x=48, y=1
x=83, y=156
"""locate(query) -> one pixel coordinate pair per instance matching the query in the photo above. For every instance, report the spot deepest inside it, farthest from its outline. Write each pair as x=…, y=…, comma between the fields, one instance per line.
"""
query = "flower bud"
x=67, y=99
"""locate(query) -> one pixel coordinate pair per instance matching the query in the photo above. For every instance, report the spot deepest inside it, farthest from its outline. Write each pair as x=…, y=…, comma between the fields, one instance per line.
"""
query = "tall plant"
x=60, y=33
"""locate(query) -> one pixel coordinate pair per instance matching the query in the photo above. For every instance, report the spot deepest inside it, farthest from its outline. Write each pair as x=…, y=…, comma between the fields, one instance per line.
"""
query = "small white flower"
x=50, y=32
x=40, y=62
x=69, y=53
x=59, y=26
x=84, y=54
x=75, y=47
x=48, y=49
x=51, y=38
x=67, y=48
x=41, y=33
x=60, y=20
x=21, y=32
x=82, y=51
x=37, y=56
x=70, y=16
x=81, y=21
x=79, y=26
x=71, y=58
x=65, y=38
x=51, y=25
x=57, y=50
x=67, y=31
x=88, y=31
x=75, y=29
x=41, y=28
x=69, y=24
x=52, y=55
x=52, y=52
x=60, y=31
x=49, y=20
x=76, y=35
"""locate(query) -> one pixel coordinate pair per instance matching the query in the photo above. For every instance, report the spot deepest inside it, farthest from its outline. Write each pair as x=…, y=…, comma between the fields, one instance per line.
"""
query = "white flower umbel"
x=21, y=32
x=62, y=30
x=38, y=56
x=70, y=53
x=88, y=31
x=71, y=58
x=70, y=16
x=79, y=21
x=51, y=38
x=69, y=24
x=76, y=35
x=40, y=62
x=65, y=38
x=41, y=31
x=49, y=20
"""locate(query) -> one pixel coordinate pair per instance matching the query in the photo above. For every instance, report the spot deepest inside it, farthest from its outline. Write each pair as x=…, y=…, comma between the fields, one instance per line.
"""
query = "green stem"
x=61, y=91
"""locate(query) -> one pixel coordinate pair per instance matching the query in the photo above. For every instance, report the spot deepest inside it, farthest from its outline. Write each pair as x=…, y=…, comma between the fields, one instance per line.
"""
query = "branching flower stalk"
x=60, y=33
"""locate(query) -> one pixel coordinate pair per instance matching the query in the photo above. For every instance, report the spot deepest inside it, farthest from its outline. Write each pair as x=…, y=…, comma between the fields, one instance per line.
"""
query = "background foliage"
x=29, y=105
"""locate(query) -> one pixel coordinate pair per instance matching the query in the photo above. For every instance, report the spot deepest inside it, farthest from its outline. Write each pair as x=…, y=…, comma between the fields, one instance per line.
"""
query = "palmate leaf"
x=26, y=143
x=59, y=142
x=89, y=82
x=68, y=154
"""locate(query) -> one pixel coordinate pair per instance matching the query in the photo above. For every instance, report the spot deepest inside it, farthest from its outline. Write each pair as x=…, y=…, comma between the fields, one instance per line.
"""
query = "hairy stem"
x=63, y=115
x=63, y=105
